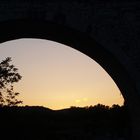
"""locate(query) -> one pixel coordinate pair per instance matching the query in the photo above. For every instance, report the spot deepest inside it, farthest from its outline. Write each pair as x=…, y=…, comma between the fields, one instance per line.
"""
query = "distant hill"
x=88, y=123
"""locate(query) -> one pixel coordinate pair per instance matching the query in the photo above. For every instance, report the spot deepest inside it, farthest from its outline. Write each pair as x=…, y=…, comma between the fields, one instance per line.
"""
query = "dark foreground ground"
x=91, y=123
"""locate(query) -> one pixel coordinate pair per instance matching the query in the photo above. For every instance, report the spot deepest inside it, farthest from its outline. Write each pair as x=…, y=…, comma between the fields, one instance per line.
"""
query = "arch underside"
x=75, y=39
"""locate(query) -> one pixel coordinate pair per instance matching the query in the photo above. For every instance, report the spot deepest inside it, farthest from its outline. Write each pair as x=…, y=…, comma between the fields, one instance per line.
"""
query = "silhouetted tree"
x=8, y=76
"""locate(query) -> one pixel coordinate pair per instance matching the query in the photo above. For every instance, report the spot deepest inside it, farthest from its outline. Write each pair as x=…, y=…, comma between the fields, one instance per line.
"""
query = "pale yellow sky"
x=57, y=76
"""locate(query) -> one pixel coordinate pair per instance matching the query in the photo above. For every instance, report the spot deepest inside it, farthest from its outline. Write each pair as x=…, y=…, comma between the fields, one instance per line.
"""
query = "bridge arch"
x=17, y=29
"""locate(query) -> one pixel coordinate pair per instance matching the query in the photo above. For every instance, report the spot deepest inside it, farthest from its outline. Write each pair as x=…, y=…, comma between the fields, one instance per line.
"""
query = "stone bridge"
x=106, y=30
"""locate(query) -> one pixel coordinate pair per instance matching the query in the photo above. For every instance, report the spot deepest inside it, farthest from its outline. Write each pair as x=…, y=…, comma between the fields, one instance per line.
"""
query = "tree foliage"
x=8, y=76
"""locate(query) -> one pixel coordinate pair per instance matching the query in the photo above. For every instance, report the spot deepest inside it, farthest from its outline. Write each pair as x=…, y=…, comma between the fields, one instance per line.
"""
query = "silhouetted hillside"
x=39, y=123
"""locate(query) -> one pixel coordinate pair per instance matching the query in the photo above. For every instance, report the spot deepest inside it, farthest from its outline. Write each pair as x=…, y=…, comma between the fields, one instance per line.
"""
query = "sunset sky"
x=57, y=76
